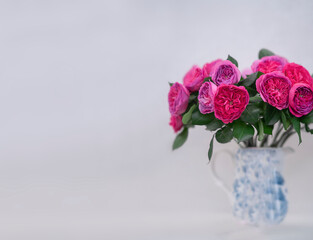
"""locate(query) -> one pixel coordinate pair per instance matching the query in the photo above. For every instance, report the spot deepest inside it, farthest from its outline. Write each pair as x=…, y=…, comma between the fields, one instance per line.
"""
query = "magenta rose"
x=176, y=123
x=193, y=79
x=269, y=64
x=301, y=99
x=225, y=72
x=229, y=102
x=297, y=74
x=178, y=98
x=208, y=68
x=274, y=89
x=206, y=96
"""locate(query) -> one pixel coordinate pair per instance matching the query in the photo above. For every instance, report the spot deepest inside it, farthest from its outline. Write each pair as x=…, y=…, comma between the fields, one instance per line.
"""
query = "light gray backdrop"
x=85, y=146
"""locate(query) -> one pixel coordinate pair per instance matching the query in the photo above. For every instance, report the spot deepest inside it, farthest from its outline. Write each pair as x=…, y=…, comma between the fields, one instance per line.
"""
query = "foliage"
x=260, y=124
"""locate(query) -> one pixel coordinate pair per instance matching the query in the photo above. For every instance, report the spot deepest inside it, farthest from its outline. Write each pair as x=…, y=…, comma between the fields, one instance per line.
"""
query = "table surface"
x=151, y=227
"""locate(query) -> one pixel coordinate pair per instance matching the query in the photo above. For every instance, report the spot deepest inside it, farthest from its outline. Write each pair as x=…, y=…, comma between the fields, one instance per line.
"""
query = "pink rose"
x=274, y=89
x=178, y=98
x=208, y=68
x=301, y=99
x=246, y=72
x=225, y=72
x=206, y=96
x=229, y=102
x=297, y=74
x=176, y=122
x=193, y=79
x=269, y=64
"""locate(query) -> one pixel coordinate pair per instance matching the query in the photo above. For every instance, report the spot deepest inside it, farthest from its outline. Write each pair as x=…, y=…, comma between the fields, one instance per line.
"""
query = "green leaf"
x=208, y=79
x=264, y=52
x=233, y=60
x=251, y=114
x=261, y=130
x=180, y=139
x=252, y=91
x=308, y=129
x=224, y=135
x=192, y=98
x=250, y=79
x=271, y=115
x=255, y=99
x=214, y=125
x=197, y=118
x=187, y=115
x=286, y=122
x=211, y=148
x=296, y=125
x=242, y=131
x=307, y=118
x=268, y=129
x=171, y=84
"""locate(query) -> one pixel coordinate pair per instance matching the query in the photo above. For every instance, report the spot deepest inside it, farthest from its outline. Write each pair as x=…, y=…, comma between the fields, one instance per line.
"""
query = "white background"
x=85, y=146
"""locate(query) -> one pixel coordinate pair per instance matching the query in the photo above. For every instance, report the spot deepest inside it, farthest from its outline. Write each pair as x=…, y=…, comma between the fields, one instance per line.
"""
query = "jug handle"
x=218, y=181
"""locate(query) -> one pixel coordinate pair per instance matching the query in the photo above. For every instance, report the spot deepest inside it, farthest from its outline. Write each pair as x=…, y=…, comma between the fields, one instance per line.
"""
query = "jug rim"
x=262, y=148
x=284, y=149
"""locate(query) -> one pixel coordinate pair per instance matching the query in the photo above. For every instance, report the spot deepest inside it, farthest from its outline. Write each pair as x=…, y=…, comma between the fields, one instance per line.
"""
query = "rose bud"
x=208, y=68
x=225, y=72
x=300, y=99
x=297, y=74
x=246, y=72
x=176, y=122
x=274, y=89
x=229, y=102
x=178, y=98
x=193, y=79
x=206, y=96
x=269, y=64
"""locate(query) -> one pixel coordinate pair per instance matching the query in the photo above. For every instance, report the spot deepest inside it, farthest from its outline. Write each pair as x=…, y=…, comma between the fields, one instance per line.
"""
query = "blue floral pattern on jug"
x=259, y=191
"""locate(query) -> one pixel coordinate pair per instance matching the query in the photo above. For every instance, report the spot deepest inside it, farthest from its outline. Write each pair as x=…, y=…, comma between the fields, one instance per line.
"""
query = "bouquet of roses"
x=260, y=107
